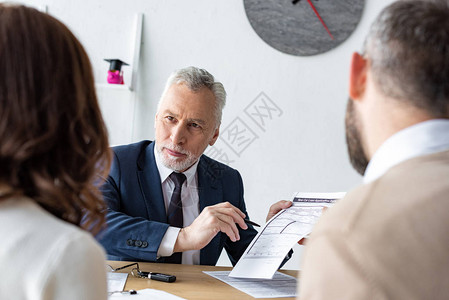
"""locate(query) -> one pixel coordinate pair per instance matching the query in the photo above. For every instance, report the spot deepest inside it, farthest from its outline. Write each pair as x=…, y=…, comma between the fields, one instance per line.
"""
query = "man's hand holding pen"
x=222, y=217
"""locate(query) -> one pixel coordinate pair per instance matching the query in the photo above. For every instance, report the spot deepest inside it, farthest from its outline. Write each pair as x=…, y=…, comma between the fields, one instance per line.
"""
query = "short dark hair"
x=53, y=141
x=408, y=49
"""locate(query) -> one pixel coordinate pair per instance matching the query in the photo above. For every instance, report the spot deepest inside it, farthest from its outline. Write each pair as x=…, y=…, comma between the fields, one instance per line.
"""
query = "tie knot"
x=178, y=178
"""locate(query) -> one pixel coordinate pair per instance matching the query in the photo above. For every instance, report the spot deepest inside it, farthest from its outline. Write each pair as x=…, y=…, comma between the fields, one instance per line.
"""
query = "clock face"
x=304, y=27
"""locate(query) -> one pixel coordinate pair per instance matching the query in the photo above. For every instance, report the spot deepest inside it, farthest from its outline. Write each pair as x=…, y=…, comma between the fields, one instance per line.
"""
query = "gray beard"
x=174, y=163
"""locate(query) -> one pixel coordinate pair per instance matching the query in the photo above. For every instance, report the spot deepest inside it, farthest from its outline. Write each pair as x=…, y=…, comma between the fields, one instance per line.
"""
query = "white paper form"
x=268, y=249
x=116, y=281
x=281, y=285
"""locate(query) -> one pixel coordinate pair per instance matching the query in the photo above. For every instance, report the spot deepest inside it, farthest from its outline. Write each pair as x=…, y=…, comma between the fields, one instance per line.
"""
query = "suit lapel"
x=210, y=193
x=209, y=186
x=150, y=185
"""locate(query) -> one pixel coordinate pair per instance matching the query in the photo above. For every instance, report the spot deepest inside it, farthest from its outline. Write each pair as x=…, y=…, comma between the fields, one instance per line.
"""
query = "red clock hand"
x=319, y=17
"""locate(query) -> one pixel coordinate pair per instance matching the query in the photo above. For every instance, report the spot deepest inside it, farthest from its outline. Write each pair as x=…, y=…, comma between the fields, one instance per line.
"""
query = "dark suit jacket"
x=136, y=218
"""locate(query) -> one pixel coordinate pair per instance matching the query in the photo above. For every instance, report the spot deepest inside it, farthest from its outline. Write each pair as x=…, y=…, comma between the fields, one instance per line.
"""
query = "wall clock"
x=304, y=27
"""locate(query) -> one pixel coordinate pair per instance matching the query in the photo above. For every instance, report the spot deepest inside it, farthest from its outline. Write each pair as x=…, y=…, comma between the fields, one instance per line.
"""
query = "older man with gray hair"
x=167, y=202
x=388, y=239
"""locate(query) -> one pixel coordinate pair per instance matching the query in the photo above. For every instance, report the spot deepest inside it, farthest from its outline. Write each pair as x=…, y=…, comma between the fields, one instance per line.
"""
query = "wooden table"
x=191, y=283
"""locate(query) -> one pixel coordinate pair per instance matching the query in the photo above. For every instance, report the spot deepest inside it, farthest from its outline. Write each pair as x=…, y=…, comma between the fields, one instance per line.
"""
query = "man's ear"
x=357, y=77
x=215, y=136
x=155, y=121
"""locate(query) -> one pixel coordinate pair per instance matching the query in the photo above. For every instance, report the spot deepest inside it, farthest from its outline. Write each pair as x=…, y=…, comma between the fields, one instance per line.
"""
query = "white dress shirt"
x=420, y=139
x=190, y=208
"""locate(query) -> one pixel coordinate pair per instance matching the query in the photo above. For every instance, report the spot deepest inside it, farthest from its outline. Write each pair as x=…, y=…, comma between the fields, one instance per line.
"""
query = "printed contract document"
x=266, y=252
x=281, y=285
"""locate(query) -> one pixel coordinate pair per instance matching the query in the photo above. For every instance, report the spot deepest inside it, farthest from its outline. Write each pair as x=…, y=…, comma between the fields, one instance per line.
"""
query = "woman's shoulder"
x=55, y=254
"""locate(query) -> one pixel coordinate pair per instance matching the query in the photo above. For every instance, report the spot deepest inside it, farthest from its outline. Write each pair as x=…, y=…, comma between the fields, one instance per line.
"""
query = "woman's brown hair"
x=53, y=141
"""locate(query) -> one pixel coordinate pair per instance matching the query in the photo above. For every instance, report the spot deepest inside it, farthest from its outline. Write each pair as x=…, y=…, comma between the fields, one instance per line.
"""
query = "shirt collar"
x=164, y=172
x=420, y=139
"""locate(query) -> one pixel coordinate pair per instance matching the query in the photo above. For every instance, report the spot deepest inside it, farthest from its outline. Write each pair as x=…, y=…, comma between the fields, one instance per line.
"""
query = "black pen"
x=130, y=292
x=251, y=222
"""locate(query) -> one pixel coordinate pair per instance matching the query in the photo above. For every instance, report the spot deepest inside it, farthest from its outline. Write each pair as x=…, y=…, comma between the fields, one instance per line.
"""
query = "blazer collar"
x=150, y=184
x=209, y=185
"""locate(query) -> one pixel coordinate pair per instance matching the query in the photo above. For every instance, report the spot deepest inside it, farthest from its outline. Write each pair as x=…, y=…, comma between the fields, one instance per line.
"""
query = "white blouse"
x=43, y=257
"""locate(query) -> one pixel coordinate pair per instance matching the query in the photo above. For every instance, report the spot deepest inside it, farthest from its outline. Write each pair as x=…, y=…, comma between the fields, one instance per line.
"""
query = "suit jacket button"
x=130, y=242
x=144, y=244
x=138, y=243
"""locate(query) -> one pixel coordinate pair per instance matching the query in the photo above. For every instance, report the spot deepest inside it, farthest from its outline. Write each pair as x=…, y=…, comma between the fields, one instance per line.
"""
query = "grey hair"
x=195, y=79
x=408, y=50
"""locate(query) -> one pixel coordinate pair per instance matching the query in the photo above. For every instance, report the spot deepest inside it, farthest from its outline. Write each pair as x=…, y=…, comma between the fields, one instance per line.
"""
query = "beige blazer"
x=388, y=239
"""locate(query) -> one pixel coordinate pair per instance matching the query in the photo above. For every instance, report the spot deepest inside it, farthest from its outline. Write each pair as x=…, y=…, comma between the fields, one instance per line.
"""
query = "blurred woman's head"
x=53, y=141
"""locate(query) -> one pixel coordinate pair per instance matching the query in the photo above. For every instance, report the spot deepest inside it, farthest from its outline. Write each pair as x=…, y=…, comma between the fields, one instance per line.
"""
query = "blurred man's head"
x=406, y=57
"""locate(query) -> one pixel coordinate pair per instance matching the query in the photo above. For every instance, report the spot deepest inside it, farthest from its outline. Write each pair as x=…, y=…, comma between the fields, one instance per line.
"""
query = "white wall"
x=300, y=148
